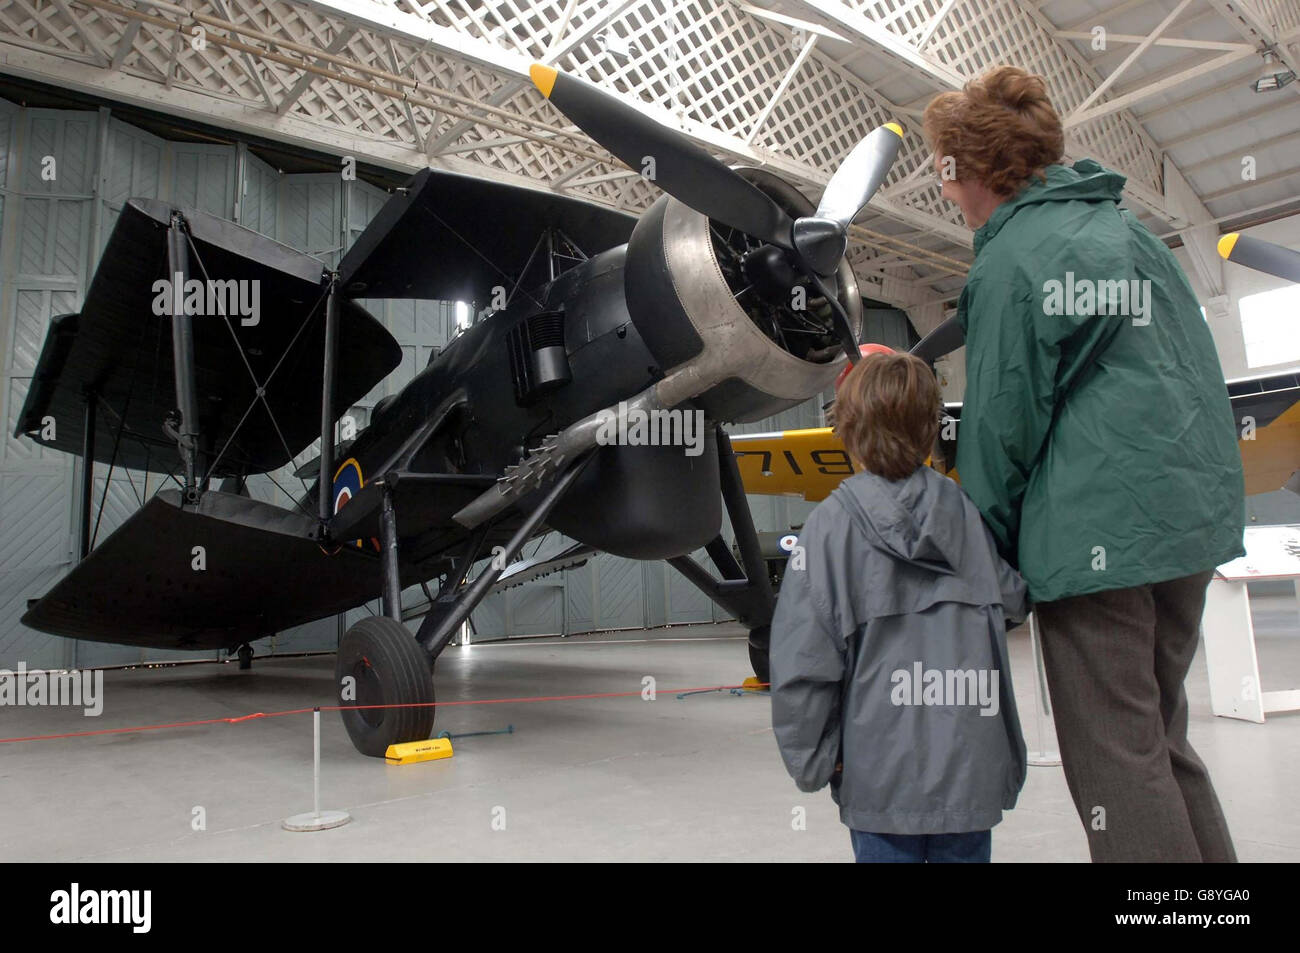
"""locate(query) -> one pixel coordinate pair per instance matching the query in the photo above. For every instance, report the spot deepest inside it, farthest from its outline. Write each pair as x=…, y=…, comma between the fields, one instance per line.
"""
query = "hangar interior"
x=298, y=119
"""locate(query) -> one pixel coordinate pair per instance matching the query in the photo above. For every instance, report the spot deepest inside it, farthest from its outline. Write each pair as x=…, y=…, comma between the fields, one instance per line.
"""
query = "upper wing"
x=120, y=349
x=453, y=238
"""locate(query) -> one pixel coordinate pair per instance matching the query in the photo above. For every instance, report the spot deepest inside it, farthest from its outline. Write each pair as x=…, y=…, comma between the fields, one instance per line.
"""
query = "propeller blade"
x=1260, y=255
x=859, y=175
x=944, y=339
x=821, y=238
x=680, y=168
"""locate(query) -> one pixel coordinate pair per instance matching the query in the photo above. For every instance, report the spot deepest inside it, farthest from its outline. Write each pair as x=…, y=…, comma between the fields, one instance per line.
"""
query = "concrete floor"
x=697, y=778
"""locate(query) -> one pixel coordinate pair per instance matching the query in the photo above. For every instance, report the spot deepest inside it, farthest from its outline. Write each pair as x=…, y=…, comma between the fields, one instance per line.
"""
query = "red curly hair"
x=1000, y=129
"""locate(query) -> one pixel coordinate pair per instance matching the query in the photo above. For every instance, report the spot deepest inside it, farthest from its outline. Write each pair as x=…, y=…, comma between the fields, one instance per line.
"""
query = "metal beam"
x=934, y=23
x=1194, y=98
x=1131, y=58
x=807, y=26
x=1234, y=189
x=1236, y=154
x=780, y=89
x=1269, y=109
x=1154, y=89
x=835, y=10
x=1127, y=38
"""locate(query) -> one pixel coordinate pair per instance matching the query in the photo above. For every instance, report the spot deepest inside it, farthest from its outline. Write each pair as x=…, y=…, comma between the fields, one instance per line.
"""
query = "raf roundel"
x=788, y=542
x=347, y=483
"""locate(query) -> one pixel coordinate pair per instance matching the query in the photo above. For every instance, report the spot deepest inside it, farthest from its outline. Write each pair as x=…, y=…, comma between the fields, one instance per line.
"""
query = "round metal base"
x=1044, y=759
x=316, y=822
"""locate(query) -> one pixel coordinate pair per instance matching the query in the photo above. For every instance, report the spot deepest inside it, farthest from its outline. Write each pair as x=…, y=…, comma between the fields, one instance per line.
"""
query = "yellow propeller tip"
x=1226, y=244
x=895, y=128
x=543, y=78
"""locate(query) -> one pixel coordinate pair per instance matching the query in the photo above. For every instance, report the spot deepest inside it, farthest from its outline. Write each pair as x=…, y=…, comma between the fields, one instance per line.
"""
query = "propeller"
x=680, y=168
x=813, y=244
x=1260, y=255
x=944, y=339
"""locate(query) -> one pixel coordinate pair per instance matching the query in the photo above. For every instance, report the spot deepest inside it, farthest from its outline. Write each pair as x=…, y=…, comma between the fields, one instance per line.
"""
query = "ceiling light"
x=1272, y=76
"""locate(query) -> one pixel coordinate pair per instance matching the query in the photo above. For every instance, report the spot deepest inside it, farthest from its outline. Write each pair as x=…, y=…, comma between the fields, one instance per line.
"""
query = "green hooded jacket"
x=1096, y=435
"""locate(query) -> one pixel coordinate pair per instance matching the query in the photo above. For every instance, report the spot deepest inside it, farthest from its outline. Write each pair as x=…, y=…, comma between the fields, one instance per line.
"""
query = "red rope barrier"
x=303, y=711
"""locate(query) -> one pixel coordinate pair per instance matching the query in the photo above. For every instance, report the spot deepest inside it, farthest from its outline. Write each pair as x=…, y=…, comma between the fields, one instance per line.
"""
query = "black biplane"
x=692, y=306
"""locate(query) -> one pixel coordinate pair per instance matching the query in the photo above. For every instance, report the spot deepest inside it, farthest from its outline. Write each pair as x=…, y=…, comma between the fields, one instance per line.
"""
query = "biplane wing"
x=263, y=568
x=482, y=234
x=262, y=571
x=119, y=349
x=810, y=463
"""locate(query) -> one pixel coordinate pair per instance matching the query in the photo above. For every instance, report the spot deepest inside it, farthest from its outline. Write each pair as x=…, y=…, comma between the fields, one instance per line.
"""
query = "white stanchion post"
x=317, y=820
x=315, y=772
x=1042, y=756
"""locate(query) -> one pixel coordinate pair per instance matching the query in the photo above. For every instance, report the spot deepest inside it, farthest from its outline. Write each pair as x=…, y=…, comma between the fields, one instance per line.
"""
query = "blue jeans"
x=971, y=847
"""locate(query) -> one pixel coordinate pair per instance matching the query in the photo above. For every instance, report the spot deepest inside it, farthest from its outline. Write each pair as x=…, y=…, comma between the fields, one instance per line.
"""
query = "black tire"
x=245, y=657
x=759, y=640
x=389, y=668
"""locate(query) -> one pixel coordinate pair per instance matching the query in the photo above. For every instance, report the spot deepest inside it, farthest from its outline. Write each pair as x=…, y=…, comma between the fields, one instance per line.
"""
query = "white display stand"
x=1272, y=552
x=1044, y=756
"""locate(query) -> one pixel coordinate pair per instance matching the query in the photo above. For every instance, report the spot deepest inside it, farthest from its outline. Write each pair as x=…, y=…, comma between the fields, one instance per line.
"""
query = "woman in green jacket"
x=1098, y=442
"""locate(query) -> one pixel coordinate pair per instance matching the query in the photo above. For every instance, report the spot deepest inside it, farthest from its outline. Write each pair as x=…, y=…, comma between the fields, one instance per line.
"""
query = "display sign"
x=1272, y=552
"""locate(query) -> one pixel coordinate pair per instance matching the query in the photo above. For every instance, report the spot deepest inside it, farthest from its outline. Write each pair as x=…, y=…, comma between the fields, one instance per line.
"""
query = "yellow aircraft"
x=811, y=463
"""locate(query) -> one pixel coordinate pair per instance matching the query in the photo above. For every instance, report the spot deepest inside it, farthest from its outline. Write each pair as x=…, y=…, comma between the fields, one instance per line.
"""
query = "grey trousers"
x=1116, y=662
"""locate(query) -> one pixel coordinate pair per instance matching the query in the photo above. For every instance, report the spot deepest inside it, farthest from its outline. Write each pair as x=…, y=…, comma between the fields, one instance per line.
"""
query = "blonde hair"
x=887, y=413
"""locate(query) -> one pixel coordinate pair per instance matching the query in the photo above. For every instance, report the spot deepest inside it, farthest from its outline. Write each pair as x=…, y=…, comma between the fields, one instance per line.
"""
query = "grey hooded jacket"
x=889, y=655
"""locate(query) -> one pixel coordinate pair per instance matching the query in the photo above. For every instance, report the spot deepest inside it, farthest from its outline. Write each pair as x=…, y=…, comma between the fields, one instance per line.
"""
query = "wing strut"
x=187, y=433
x=324, y=485
x=87, y=472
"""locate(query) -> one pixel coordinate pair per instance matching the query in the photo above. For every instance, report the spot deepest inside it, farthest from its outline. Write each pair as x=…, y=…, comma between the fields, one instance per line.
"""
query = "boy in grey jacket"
x=890, y=676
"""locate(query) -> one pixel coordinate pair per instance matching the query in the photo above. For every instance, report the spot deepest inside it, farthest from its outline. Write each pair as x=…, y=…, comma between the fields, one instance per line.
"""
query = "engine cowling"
x=718, y=311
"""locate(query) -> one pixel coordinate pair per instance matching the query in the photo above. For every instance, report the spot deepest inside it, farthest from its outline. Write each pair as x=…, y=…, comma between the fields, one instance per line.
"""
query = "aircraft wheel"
x=759, y=640
x=245, y=657
x=386, y=666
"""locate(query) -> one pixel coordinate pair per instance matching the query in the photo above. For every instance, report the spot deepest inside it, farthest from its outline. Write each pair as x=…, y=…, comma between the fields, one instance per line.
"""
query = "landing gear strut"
x=380, y=664
x=760, y=639
x=745, y=587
